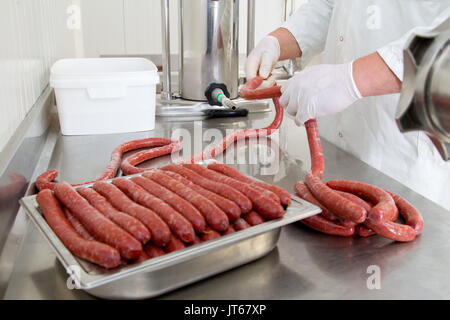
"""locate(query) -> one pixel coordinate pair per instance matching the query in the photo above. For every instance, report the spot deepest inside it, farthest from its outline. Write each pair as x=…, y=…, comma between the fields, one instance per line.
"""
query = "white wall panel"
x=33, y=35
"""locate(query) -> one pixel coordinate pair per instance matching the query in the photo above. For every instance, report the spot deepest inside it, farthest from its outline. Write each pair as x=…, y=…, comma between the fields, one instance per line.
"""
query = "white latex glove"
x=319, y=90
x=262, y=58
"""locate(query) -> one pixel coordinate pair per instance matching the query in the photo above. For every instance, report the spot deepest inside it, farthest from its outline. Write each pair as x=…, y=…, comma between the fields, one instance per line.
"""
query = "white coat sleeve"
x=309, y=26
x=392, y=53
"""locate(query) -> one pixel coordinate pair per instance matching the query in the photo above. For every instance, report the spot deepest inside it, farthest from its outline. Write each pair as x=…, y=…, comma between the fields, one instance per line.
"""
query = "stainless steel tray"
x=168, y=272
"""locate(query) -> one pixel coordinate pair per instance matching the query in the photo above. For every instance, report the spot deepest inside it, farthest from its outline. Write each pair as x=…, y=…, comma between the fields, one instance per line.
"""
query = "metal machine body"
x=425, y=99
x=209, y=51
x=208, y=59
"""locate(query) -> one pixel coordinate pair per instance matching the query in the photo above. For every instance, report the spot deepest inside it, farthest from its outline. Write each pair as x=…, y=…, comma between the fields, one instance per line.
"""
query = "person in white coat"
x=355, y=93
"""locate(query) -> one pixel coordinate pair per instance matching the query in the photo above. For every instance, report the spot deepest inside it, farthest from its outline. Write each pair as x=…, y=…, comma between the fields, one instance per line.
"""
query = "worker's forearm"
x=289, y=48
x=373, y=77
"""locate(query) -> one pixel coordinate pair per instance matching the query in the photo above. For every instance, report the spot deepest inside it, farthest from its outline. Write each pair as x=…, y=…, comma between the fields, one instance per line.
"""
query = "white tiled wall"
x=35, y=33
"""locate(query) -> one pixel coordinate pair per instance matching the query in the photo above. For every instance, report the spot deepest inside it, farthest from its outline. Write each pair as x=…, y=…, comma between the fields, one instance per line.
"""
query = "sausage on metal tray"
x=178, y=223
x=93, y=251
x=283, y=195
x=160, y=232
x=230, y=208
x=97, y=224
x=130, y=224
x=222, y=189
x=184, y=196
x=268, y=208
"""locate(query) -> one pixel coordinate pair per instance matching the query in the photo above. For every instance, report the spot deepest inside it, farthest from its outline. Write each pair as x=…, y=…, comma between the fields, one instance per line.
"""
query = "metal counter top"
x=305, y=265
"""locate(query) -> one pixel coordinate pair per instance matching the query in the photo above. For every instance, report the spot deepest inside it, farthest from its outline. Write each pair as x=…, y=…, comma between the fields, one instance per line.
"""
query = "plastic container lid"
x=92, y=72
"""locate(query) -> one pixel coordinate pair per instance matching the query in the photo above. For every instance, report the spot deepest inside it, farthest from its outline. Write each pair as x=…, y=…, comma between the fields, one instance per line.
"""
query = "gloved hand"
x=318, y=91
x=263, y=57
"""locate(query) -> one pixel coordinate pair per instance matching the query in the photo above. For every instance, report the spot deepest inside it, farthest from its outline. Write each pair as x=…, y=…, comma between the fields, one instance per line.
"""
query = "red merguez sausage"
x=160, y=232
x=222, y=189
x=209, y=234
x=384, y=207
x=380, y=215
x=171, y=198
x=215, y=217
x=142, y=257
x=343, y=208
x=153, y=251
x=132, y=225
x=240, y=224
x=253, y=218
x=304, y=193
x=93, y=251
x=230, y=208
x=97, y=224
x=267, y=193
x=197, y=240
x=355, y=199
x=229, y=231
x=264, y=205
x=174, y=245
x=76, y=224
x=412, y=216
x=283, y=195
x=176, y=222
x=323, y=225
x=315, y=148
x=44, y=181
x=128, y=165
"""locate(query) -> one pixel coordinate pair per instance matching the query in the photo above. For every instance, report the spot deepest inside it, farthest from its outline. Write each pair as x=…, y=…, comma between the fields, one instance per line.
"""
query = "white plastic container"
x=99, y=96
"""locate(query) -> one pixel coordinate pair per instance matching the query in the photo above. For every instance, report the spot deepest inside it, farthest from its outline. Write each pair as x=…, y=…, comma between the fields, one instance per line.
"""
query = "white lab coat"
x=348, y=29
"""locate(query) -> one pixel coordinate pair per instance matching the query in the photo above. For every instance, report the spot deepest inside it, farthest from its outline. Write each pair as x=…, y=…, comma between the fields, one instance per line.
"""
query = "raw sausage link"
x=250, y=92
x=230, y=208
x=142, y=257
x=315, y=148
x=97, y=224
x=267, y=193
x=183, y=195
x=412, y=216
x=304, y=193
x=174, y=245
x=44, y=181
x=179, y=204
x=159, y=145
x=93, y=251
x=240, y=224
x=323, y=225
x=209, y=234
x=384, y=207
x=179, y=225
x=382, y=212
x=160, y=232
x=130, y=224
x=253, y=218
x=283, y=195
x=340, y=206
x=153, y=251
x=264, y=205
x=76, y=224
x=222, y=189
x=128, y=165
x=228, y=231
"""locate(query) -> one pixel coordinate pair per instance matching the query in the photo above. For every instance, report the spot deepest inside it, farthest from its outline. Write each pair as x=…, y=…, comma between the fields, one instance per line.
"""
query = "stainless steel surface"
x=304, y=265
x=18, y=162
x=209, y=46
x=166, y=92
x=250, y=25
x=425, y=99
x=162, y=274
